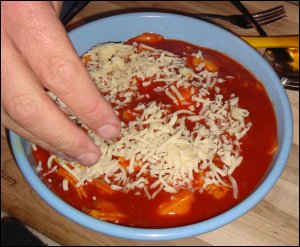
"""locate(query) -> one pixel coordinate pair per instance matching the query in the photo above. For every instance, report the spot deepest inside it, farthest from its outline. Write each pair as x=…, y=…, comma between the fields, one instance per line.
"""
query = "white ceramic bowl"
x=123, y=27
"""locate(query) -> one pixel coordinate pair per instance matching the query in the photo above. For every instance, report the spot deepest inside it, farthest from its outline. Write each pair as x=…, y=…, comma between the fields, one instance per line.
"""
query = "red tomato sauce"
x=139, y=211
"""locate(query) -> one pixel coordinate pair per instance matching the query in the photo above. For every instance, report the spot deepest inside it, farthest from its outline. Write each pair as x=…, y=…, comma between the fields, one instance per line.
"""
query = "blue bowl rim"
x=161, y=233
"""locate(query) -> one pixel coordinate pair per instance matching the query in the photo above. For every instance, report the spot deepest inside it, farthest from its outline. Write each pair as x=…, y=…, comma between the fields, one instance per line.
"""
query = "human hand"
x=36, y=54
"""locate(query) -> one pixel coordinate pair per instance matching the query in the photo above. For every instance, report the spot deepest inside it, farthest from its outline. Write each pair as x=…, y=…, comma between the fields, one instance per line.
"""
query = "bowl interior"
x=123, y=27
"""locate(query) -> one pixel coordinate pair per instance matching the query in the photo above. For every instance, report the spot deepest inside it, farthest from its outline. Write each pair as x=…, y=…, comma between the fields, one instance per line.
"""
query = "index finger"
x=42, y=40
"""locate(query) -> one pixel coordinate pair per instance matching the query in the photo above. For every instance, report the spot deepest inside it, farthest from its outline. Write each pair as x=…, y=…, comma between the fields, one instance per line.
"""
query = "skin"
x=36, y=54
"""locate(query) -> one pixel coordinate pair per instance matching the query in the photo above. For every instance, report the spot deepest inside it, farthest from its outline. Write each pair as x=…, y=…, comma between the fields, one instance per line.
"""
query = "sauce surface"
x=258, y=148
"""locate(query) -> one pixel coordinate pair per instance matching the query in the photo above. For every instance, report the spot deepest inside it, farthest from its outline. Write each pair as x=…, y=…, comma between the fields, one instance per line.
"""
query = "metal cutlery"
x=263, y=17
x=279, y=58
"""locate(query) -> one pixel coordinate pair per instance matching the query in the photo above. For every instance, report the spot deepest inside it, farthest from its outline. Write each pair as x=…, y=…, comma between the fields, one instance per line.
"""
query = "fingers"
x=27, y=104
x=11, y=124
x=58, y=67
x=7, y=121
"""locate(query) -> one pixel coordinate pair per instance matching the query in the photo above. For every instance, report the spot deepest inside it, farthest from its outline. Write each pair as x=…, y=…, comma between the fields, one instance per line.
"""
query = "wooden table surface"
x=274, y=221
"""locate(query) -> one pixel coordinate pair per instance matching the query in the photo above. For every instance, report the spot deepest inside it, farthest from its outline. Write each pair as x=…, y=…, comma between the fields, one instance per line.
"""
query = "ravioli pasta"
x=181, y=137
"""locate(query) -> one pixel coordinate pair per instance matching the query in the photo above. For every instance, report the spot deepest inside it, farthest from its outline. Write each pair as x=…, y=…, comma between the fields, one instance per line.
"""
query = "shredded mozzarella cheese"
x=157, y=143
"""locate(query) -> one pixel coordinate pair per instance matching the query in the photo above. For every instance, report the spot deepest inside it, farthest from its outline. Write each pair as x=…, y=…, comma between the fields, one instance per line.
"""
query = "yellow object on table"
x=273, y=41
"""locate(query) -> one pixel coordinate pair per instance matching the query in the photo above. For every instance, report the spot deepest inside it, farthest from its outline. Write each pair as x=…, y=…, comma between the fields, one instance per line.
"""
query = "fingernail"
x=108, y=131
x=87, y=159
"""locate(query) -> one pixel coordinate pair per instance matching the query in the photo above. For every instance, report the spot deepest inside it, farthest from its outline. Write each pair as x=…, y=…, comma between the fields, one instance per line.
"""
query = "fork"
x=280, y=58
x=263, y=17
